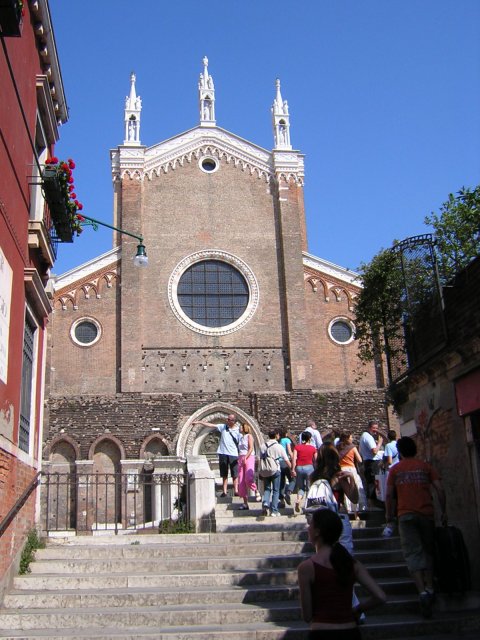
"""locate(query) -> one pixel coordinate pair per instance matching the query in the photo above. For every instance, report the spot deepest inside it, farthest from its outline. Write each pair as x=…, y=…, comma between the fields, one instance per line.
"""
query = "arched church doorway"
x=197, y=440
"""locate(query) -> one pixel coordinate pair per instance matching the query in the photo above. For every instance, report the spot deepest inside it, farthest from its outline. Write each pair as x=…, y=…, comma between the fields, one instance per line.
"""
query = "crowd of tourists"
x=333, y=481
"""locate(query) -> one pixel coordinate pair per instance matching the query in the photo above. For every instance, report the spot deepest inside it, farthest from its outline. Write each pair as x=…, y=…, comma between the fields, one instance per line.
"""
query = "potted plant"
x=59, y=191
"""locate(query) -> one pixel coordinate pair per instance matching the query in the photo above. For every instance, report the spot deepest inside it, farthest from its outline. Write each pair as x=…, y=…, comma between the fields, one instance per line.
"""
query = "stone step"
x=396, y=588
x=195, y=615
x=134, y=566
x=52, y=582
x=154, y=552
x=140, y=560
x=149, y=597
x=172, y=616
x=440, y=627
x=262, y=597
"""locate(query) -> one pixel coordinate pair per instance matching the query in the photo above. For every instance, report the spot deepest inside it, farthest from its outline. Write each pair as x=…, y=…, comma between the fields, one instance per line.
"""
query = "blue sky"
x=384, y=100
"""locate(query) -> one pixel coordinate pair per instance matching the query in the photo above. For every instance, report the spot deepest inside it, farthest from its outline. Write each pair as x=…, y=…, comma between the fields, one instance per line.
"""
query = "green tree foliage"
x=457, y=231
x=379, y=306
x=398, y=294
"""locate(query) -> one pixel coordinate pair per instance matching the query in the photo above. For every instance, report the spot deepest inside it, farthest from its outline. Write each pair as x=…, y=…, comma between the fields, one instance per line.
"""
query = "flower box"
x=11, y=12
x=60, y=213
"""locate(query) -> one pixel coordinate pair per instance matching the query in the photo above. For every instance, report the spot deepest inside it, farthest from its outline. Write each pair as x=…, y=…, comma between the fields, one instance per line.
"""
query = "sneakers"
x=275, y=514
x=288, y=499
x=281, y=505
x=387, y=531
x=426, y=602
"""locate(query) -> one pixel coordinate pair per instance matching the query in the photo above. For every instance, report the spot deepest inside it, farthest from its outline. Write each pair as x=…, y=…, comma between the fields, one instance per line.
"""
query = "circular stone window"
x=86, y=332
x=209, y=165
x=213, y=292
x=341, y=331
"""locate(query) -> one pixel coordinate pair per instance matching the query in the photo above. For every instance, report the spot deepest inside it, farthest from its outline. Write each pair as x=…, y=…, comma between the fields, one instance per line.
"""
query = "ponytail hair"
x=342, y=562
x=330, y=527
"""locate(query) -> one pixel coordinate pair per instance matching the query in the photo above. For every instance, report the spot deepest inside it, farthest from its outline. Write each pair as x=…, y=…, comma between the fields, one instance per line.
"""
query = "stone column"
x=201, y=481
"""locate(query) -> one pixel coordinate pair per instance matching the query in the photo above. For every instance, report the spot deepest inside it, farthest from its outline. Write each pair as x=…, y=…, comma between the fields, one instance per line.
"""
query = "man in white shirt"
x=369, y=447
x=227, y=450
x=316, y=437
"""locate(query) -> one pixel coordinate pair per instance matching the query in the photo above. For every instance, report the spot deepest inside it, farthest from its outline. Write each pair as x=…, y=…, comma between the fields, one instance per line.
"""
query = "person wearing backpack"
x=269, y=470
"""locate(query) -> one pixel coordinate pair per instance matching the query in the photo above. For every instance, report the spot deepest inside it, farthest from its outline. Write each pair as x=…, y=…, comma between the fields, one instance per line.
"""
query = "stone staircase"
x=238, y=583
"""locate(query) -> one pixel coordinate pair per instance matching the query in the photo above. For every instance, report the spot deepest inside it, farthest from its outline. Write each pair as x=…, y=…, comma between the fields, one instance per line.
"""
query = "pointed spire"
x=133, y=107
x=206, y=97
x=280, y=120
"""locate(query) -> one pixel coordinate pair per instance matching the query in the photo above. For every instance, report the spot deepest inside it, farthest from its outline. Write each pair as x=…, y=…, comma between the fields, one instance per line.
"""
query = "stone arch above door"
x=191, y=436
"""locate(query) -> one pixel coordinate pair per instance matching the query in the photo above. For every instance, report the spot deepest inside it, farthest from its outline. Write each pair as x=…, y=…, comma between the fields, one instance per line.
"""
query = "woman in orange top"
x=349, y=458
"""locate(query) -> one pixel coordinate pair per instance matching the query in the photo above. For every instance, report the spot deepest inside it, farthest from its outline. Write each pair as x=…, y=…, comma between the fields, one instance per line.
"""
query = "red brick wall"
x=334, y=366
x=14, y=479
x=75, y=369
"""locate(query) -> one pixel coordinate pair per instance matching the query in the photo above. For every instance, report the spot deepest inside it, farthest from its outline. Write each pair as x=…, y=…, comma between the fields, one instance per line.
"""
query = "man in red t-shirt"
x=409, y=496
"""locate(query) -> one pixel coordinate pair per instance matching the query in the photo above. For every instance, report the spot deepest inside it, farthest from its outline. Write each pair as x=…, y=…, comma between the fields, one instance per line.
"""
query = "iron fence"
x=423, y=330
x=87, y=502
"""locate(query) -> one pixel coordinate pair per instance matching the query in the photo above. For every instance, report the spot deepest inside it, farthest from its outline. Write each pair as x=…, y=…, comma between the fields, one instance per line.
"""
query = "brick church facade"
x=232, y=313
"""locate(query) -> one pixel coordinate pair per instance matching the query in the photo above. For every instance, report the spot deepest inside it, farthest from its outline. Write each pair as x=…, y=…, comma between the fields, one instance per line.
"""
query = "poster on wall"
x=5, y=304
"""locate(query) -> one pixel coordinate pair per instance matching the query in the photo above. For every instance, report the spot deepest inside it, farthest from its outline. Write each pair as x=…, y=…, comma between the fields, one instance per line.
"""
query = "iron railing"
x=87, y=502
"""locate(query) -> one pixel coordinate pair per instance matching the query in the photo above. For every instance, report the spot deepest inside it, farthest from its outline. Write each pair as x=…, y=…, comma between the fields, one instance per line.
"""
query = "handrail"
x=19, y=503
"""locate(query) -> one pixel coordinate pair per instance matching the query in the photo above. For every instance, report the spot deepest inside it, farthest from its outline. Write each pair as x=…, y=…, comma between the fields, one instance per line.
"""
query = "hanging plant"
x=60, y=194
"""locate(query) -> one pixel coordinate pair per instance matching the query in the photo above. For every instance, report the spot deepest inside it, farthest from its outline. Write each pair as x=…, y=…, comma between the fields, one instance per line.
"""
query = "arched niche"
x=63, y=450
x=155, y=446
x=106, y=454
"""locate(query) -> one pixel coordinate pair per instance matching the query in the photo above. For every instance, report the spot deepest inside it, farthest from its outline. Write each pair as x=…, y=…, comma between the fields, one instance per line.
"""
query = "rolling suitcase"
x=452, y=565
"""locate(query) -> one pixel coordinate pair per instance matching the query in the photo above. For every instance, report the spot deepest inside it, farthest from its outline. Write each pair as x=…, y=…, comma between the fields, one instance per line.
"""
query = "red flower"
x=64, y=167
x=71, y=187
x=71, y=163
x=80, y=218
x=70, y=180
x=80, y=206
x=53, y=160
x=73, y=196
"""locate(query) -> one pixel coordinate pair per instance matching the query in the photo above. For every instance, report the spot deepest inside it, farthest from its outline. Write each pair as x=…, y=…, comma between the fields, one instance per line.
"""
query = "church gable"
x=199, y=143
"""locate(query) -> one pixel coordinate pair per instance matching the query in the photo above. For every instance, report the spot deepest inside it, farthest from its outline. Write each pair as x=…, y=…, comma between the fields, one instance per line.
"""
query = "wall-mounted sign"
x=6, y=274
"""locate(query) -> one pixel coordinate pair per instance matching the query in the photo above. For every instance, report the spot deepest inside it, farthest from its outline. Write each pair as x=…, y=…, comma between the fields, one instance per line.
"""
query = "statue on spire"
x=133, y=108
x=206, y=96
x=280, y=120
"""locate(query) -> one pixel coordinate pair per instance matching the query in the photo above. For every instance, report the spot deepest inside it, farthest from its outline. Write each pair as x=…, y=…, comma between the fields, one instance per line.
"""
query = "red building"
x=32, y=105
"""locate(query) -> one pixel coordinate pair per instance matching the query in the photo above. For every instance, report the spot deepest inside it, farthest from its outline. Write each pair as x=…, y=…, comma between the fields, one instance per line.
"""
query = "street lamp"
x=140, y=259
